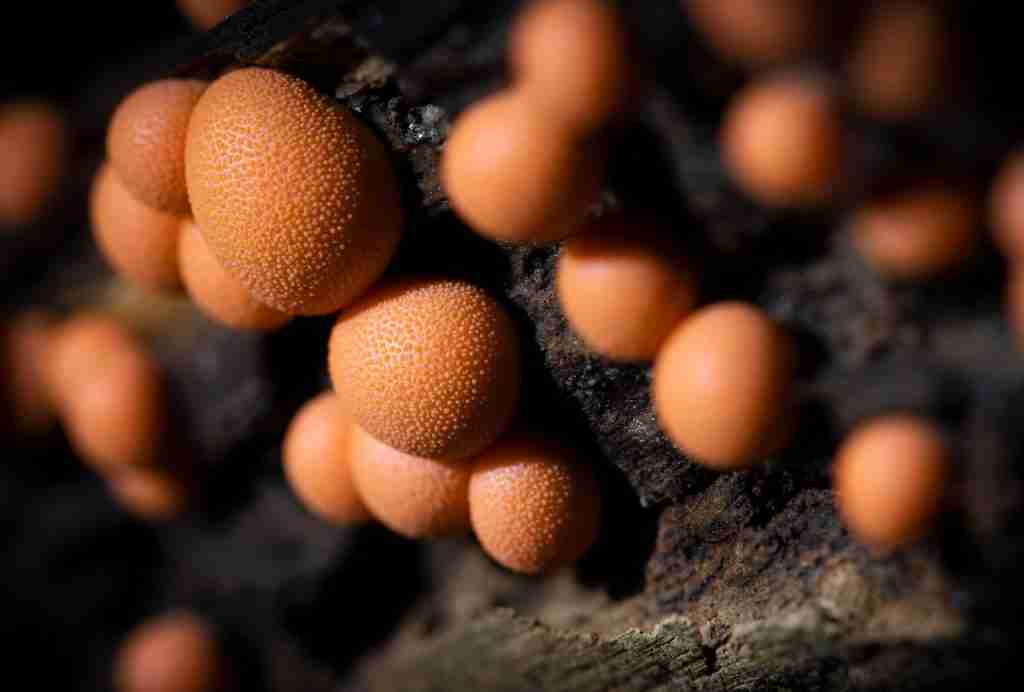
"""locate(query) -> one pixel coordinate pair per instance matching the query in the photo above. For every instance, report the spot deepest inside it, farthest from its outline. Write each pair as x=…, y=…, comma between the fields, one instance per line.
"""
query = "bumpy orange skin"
x=139, y=242
x=431, y=367
x=218, y=294
x=533, y=505
x=296, y=198
x=146, y=142
x=317, y=461
x=413, y=496
x=177, y=652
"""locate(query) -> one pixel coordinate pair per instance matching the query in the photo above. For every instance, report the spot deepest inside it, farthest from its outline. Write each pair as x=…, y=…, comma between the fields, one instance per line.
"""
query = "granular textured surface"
x=293, y=194
x=429, y=367
x=533, y=508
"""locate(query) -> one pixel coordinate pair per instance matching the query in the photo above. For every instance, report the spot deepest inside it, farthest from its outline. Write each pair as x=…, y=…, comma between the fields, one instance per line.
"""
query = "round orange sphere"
x=572, y=60
x=431, y=367
x=295, y=196
x=903, y=61
x=513, y=177
x=35, y=147
x=152, y=494
x=533, y=505
x=783, y=141
x=758, y=33
x=1006, y=208
x=891, y=478
x=723, y=386
x=109, y=392
x=177, y=652
x=413, y=496
x=918, y=234
x=146, y=142
x=317, y=461
x=25, y=405
x=623, y=287
x=218, y=294
x=139, y=242
x=206, y=14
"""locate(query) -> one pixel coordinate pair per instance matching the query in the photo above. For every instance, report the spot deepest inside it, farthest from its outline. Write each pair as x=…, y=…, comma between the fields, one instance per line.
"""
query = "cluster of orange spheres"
x=427, y=376
x=101, y=383
x=175, y=652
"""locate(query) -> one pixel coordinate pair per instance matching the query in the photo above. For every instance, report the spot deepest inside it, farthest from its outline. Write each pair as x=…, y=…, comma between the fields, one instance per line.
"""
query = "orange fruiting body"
x=533, y=505
x=35, y=147
x=177, y=652
x=431, y=367
x=146, y=142
x=903, y=62
x=513, y=177
x=218, y=294
x=206, y=14
x=1006, y=208
x=139, y=242
x=891, y=479
x=296, y=197
x=571, y=58
x=109, y=392
x=623, y=287
x=413, y=496
x=919, y=233
x=25, y=405
x=722, y=386
x=783, y=141
x=757, y=33
x=317, y=461
x=151, y=494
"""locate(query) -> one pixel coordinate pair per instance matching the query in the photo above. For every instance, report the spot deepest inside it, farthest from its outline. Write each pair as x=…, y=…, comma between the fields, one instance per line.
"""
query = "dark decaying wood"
x=700, y=582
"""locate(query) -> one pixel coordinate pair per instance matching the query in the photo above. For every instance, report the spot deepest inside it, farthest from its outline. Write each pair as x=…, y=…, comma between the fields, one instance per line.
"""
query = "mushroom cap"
x=891, y=478
x=1006, y=208
x=296, y=197
x=903, y=61
x=722, y=385
x=25, y=405
x=572, y=59
x=139, y=242
x=109, y=392
x=218, y=294
x=783, y=141
x=152, y=494
x=623, y=287
x=206, y=14
x=919, y=233
x=533, y=505
x=513, y=177
x=177, y=652
x=146, y=142
x=35, y=147
x=757, y=33
x=431, y=367
x=413, y=496
x=317, y=462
